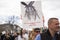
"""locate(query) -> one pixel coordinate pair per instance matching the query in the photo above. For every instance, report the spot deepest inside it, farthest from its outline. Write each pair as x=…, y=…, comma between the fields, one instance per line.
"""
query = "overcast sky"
x=50, y=8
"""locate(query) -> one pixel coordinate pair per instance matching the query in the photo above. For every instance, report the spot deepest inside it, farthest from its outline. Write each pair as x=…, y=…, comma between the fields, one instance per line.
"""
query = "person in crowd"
x=15, y=35
x=6, y=36
x=25, y=34
x=53, y=28
x=30, y=35
x=37, y=34
x=20, y=35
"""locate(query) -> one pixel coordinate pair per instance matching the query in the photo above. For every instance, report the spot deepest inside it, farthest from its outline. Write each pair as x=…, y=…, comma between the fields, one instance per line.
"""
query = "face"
x=54, y=26
x=23, y=31
x=15, y=34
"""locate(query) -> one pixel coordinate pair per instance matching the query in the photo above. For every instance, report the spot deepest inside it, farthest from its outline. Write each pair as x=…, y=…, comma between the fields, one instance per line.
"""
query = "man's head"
x=53, y=24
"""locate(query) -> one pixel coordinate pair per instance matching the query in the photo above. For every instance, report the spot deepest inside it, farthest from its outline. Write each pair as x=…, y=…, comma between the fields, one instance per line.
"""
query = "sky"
x=50, y=8
x=9, y=8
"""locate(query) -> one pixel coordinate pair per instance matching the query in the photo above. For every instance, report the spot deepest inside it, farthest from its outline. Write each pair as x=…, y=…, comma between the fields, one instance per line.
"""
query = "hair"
x=51, y=20
x=37, y=30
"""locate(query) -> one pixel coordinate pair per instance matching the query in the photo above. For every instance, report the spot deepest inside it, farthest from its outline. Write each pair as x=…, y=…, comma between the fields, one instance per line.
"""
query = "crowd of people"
x=52, y=33
x=22, y=35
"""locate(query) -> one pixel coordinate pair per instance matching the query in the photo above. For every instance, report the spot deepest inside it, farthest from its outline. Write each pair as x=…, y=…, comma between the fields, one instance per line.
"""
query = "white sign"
x=32, y=16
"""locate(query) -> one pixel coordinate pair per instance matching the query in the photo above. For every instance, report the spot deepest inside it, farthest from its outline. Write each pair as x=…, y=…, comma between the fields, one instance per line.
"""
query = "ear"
x=24, y=3
x=31, y=3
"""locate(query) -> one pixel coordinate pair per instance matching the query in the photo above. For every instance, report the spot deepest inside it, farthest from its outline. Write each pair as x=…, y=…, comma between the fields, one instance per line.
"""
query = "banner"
x=32, y=16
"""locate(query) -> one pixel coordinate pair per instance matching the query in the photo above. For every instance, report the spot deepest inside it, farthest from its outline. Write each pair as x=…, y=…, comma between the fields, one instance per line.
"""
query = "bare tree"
x=12, y=19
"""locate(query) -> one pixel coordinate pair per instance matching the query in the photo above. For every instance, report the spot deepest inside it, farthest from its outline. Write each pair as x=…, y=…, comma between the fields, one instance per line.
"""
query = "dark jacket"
x=47, y=36
x=3, y=37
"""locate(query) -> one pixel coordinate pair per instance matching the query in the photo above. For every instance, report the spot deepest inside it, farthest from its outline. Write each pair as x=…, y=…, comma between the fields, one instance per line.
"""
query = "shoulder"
x=3, y=35
x=45, y=34
x=38, y=37
x=42, y=34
